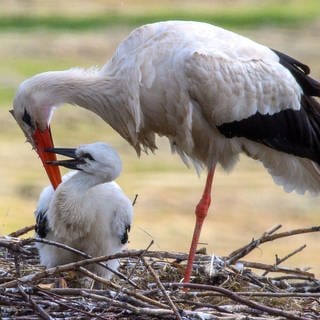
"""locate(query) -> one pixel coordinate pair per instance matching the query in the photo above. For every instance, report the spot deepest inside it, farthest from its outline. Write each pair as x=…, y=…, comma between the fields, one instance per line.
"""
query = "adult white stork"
x=212, y=92
x=88, y=211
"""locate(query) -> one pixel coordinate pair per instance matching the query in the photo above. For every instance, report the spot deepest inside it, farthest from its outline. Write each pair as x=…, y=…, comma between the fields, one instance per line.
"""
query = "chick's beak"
x=72, y=163
x=43, y=141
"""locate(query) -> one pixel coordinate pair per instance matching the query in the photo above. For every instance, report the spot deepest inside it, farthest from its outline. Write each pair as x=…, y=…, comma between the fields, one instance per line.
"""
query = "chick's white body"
x=87, y=215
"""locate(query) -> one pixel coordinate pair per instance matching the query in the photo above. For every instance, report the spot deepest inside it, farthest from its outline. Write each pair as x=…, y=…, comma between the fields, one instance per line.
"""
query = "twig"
x=127, y=306
x=13, y=244
x=141, y=254
x=75, y=291
x=134, y=253
x=148, y=311
x=95, y=277
x=21, y=231
x=38, y=309
x=273, y=229
x=134, y=268
x=83, y=254
x=235, y=297
x=254, y=294
x=55, y=297
x=17, y=264
x=74, y=265
x=278, y=261
x=273, y=268
x=163, y=290
x=266, y=237
x=134, y=200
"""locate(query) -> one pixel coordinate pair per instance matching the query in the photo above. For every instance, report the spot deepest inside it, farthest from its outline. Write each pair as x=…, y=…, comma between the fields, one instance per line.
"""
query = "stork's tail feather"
x=300, y=71
x=293, y=173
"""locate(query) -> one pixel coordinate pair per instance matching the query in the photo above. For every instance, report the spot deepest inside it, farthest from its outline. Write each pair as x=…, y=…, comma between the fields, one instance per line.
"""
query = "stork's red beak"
x=43, y=141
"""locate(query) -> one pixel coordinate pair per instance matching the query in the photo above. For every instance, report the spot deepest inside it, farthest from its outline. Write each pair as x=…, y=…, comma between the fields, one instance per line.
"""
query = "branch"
x=278, y=261
x=134, y=200
x=83, y=254
x=21, y=231
x=163, y=290
x=266, y=237
x=272, y=268
x=235, y=297
x=56, y=298
x=38, y=309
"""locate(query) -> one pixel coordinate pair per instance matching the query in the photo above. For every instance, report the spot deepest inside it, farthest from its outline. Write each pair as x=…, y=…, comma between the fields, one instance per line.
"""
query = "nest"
x=148, y=285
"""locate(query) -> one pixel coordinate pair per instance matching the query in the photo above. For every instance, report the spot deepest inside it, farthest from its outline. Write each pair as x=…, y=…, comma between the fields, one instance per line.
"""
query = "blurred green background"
x=47, y=35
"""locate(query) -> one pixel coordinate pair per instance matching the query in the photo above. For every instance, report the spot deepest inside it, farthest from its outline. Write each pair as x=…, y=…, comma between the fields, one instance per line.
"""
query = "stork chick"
x=88, y=211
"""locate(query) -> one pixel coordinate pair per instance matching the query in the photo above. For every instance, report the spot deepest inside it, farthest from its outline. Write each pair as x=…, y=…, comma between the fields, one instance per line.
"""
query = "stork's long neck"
x=93, y=90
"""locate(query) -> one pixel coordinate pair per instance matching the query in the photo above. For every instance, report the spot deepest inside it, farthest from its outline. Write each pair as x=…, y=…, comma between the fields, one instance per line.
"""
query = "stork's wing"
x=267, y=101
x=42, y=227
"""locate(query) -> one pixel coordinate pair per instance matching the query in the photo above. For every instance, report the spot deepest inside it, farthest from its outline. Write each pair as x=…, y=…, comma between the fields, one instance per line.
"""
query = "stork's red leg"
x=201, y=213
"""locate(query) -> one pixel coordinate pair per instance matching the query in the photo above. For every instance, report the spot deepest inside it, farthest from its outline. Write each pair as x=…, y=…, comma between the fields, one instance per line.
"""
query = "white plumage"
x=181, y=80
x=211, y=92
x=88, y=211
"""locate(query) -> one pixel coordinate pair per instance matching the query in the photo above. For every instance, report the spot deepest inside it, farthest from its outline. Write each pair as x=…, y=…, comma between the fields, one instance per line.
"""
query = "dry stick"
x=16, y=243
x=273, y=268
x=117, y=287
x=17, y=264
x=71, y=266
x=144, y=311
x=266, y=237
x=159, y=312
x=74, y=292
x=128, y=306
x=140, y=256
x=74, y=265
x=55, y=298
x=134, y=268
x=134, y=200
x=235, y=297
x=252, y=294
x=83, y=254
x=61, y=268
x=38, y=309
x=163, y=290
x=13, y=244
x=21, y=231
x=278, y=261
x=95, y=277
x=259, y=294
x=273, y=229
x=296, y=277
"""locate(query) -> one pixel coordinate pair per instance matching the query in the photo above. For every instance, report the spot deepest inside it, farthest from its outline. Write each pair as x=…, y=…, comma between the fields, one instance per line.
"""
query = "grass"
x=229, y=19
x=265, y=13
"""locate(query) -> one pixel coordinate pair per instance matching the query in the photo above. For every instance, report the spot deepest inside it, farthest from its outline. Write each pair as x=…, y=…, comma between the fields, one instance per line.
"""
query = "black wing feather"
x=300, y=71
x=295, y=132
x=125, y=237
x=42, y=227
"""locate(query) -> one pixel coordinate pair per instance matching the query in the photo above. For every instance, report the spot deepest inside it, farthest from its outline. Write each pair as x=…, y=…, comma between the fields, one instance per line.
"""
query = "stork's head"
x=98, y=159
x=32, y=108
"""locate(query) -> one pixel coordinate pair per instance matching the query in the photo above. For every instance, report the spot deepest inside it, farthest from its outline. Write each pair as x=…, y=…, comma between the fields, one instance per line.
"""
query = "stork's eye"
x=26, y=118
x=87, y=156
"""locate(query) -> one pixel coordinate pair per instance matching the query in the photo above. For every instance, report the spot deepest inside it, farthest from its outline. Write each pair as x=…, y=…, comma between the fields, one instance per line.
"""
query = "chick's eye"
x=87, y=156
